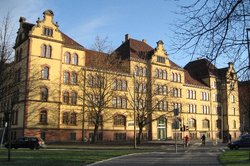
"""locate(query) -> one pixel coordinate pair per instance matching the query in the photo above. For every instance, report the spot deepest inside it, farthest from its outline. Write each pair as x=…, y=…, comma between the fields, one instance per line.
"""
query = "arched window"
x=67, y=58
x=44, y=50
x=165, y=90
x=75, y=59
x=124, y=85
x=156, y=73
x=73, y=98
x=120, y=120
x=66, y=77
x=173, y=77
x=140, y=71
x=45, y=72
x=144, y=71
x=73, y=118
x=136, y=70
x=160, y=73
x=205, y=123
x=179, y=77
x=176, y=77
x=192, y=123
x=66, y=97
x=43, y=117
x=48, y=52
x=65, y=119
x=74, y=78
x=44, y=94
x=164, y=74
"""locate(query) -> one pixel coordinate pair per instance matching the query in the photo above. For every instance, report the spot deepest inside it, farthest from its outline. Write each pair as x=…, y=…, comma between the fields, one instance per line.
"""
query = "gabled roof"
x=67, y=41
x=132, y=48
x=192, y=81
x=94, y=58
x=201, y=68
x=244, y=83
x=174, y=65
x=98, y=60
x=70, y=42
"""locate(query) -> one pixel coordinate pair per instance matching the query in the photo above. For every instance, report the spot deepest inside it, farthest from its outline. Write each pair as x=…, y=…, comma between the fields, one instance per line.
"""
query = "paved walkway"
x=196, y=154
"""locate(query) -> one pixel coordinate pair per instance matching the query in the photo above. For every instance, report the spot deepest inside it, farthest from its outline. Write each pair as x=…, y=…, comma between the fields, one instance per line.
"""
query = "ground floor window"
x=99, y=136
x=193, y=135
x=73, y=136
x=161, y=128
x=120, y=136
x=144, y=136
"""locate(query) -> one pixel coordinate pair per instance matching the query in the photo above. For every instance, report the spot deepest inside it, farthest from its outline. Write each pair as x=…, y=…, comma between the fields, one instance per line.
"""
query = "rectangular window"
x=73, y=136
x=120, y=137
x=47, y=31
x=160, y=59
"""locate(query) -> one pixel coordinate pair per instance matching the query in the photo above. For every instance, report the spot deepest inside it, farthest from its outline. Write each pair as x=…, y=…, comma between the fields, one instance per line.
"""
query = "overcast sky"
x=83, y=20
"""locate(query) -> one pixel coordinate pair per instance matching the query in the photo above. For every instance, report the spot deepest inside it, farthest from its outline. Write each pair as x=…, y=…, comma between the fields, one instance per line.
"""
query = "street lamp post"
x=248, y=47
x=134, y=110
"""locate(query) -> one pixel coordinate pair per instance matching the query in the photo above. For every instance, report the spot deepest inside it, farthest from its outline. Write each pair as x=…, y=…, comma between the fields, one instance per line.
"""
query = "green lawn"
x=29, y=157
x=235, y=157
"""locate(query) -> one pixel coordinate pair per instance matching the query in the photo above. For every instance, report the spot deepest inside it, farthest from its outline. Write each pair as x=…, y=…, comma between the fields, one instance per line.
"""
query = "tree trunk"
x=139, y=138
x=94, y=137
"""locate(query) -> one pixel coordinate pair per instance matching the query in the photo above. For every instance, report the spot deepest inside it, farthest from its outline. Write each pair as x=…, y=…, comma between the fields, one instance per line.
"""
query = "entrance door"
x=161, y=128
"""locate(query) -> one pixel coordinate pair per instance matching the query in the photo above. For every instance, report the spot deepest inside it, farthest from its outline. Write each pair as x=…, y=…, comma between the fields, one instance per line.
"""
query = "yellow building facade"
x=53, y=81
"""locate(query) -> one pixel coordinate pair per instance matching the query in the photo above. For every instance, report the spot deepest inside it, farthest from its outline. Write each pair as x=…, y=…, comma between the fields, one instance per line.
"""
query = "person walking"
x=186, y=141
x=203, y=139
x=229, y=138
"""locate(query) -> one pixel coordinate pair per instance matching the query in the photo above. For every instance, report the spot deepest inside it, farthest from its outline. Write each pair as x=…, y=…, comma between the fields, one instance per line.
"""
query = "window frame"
x=43, y=116
x=44, y=93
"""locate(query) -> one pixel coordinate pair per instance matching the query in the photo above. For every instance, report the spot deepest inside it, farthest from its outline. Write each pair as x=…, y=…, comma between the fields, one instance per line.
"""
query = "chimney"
x=127, y=37
x=144, y=40
x=22, y=19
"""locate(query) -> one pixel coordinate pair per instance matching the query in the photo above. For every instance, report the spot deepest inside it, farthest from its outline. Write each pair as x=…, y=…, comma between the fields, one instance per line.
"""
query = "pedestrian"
x=229, y=138
x=203, y=139
x=186, y=140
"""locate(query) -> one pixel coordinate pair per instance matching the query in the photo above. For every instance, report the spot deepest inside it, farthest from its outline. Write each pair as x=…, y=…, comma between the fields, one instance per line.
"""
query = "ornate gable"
x=46, y=28
x=160, y=56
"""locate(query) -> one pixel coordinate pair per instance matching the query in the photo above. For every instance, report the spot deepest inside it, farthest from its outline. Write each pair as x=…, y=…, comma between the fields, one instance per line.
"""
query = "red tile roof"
x=99, y=60
x=174, y=65
x=134, y=49
x=70, y=42
x=201, y=68
x=192, y=81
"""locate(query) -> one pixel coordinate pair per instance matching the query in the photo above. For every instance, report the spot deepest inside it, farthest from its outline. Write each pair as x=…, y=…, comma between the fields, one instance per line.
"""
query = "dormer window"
x=160, y=59
x=48, y=31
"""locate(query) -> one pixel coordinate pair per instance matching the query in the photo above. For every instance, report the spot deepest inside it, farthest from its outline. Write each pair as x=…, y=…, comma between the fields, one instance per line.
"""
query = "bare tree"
x=5, y=41
x=215, y=30
x=150, y=104
x=96, y=81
